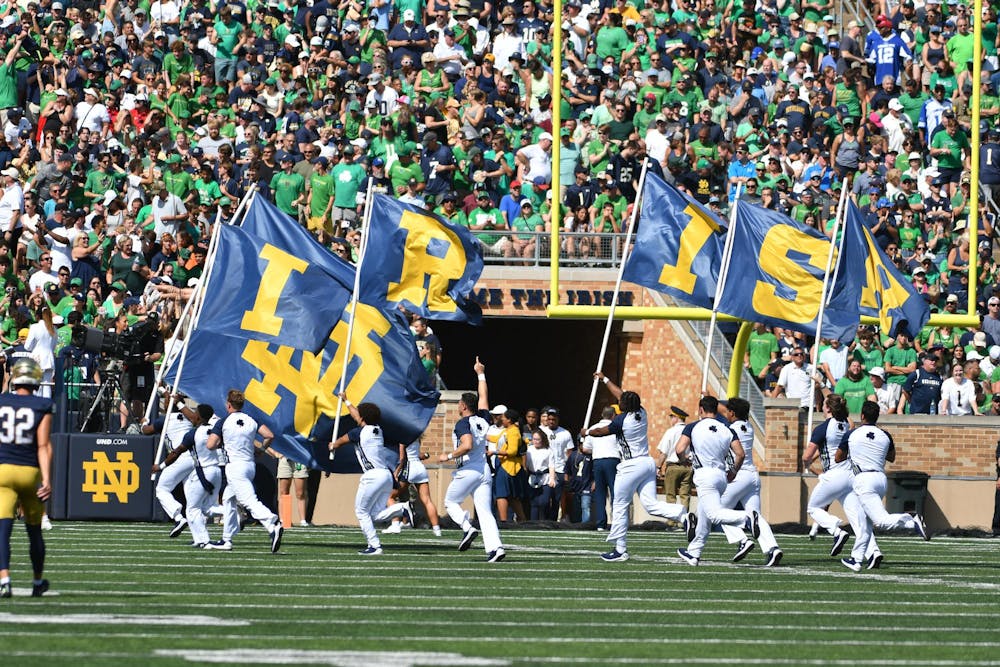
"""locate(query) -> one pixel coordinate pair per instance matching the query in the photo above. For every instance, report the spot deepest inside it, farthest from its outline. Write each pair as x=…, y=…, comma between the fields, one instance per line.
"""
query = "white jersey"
x=560, y=442
x=413, y=451
x=369, y=447
x=868, y=446
x=603, y=446
x=238, y=431
x=476, y=426
x=197, y=438
x=827, y=438
x=711, y=443
x=744, y=431
x=176, y=426
x=538, y=459
x=631, y=430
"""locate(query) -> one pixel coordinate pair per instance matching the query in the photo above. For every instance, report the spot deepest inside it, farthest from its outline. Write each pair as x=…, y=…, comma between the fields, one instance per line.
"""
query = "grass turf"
x=126, y=594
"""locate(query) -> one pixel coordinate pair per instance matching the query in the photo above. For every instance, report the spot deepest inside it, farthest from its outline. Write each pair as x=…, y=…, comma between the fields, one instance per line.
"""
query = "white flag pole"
x=824, y=298
x=193, y=310
x=618, y=285
x=719, y=287
x=365, y=222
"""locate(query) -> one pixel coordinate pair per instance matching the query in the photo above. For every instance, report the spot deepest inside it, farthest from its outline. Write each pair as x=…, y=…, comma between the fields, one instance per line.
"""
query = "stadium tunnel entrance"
x=531, y=362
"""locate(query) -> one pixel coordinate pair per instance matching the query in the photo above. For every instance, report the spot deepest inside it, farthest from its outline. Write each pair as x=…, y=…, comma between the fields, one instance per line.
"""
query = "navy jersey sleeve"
x=187, y=442
x=463, y=428
x=485, y=414
x=843, y=442
x=354, y=435
x=217, y=429
x=688, y=429
x=158, y=424
x=911, y=379
x=818, y=436
x=733, y=433
x=617, y=423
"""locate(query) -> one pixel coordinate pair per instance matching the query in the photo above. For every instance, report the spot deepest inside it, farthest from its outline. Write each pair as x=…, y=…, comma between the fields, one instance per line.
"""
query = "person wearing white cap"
x=526, y=221
x=11, y=206
x=535, y=160
x=91, y=114
x=886, y=395
x=896, y=124
x=407, y=38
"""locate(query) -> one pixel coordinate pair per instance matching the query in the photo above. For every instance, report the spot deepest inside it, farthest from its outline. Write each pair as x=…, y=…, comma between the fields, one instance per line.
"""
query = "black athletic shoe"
x=468, y=539
x=838, y=543
x=746, y=546
x=875, y=562
x=38, y=589
x=496, y=556
x=753, y=524
x=690, y=525
x=5, y=591
x=276, y=537
x=179, y=525
x=774, y=557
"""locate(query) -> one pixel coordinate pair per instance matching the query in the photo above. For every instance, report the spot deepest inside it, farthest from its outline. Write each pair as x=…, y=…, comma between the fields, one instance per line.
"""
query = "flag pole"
x=723, y=275
x=365, y=222
x=824, y=298
x=193, y=310
x=618, y=286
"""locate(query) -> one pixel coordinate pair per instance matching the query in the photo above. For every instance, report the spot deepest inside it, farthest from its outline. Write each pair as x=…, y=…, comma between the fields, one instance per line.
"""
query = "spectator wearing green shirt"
x=855, y=387
x=900, y=359
x=347, y=179
x=486, y=220
x=403, y=169
x=527, y=221
x=319, y=199
x=288, y=187
x=99, y=180
x=178, y=181
x=226, y=40
x=950, y=146
x=762, y=349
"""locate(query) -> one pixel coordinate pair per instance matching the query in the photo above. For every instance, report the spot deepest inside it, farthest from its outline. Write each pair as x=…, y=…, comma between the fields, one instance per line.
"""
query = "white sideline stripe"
x=337, y=658
x=845, y=592
x=757, y=661
x=390, y=605
x=113, y=619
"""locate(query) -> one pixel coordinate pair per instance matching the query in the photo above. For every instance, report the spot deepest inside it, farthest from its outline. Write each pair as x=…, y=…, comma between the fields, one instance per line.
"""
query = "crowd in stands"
x=128, y=126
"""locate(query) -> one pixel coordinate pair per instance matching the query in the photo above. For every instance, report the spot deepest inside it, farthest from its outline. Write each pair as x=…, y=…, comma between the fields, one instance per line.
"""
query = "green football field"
x=126, y=594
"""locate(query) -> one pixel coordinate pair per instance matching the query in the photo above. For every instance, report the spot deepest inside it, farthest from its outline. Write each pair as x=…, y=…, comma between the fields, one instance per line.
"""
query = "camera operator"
x=139, y=332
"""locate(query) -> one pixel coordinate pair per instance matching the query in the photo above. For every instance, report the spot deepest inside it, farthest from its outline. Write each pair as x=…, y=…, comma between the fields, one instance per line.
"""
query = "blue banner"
x=294, y=391
x=776, y=276
x=262, y=292
x=678, y=245
x=421, y=261
x=884, y=292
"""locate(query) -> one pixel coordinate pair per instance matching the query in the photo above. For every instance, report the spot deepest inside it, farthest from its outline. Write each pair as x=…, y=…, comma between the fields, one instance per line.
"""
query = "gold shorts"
x=20, y=484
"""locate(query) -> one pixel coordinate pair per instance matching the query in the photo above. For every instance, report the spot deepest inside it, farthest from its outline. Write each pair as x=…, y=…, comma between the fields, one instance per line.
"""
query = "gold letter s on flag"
x=807, y=288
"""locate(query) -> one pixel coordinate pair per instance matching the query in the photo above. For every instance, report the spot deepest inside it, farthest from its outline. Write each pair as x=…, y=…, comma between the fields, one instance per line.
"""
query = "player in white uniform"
x=376, y=480
x=636, y=473
x=414, y=474
x=173, y=470
x=714, y=448
x=473, y=476
x=837, y=480
x=745, y=487
x=869, y=447
x=236, y=434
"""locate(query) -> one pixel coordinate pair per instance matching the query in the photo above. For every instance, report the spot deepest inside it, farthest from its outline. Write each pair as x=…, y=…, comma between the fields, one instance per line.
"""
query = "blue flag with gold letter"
x=776, y=276
x=421, y=261
x=290, y=389
x=884, y=292
x=296, y=302
x=678, y=245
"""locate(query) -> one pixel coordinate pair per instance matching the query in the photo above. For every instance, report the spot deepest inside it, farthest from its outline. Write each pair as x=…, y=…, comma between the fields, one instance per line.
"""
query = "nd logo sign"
x=103, y=476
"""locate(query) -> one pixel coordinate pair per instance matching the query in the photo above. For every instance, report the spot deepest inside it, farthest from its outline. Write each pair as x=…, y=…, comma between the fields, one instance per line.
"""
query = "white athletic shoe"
x=813, y=532
x=773, y=557
x=688, y=558
x=691, y=525
x=220, y=545
x=468, y=539
x=180, y=523
x=851, y=564
x=304, y=524
x=436, y=530
x=496, y=556
x=921, y=527
x=875, y=561
x=753, y=524
x=615, y=556
x=46, y=522
x=371, y=551
x=393, y=528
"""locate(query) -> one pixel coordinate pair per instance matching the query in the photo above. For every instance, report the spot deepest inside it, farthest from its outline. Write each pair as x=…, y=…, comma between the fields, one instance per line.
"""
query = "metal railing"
x=533, y=248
